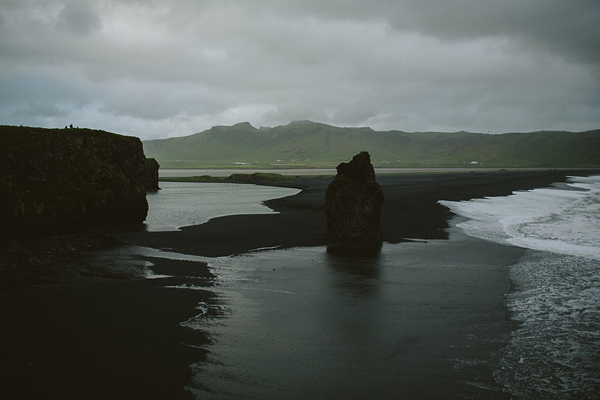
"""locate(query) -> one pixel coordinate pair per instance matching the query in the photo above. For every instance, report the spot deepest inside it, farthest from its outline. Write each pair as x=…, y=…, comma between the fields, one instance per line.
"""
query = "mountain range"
x=313, y=144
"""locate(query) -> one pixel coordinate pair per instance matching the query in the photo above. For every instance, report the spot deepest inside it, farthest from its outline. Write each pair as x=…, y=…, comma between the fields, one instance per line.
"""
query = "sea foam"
x=548, y=219
x=555, y=352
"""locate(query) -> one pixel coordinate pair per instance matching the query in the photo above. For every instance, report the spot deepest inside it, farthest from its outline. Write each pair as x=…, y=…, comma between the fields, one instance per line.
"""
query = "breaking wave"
x=555, y=352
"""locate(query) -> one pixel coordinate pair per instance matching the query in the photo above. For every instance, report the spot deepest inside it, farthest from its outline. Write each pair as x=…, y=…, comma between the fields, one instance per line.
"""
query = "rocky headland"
x=59, y=181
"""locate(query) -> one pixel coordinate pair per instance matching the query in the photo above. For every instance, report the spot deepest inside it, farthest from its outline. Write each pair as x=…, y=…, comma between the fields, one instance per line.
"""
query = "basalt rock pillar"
x=151, y=168
x=353, y=202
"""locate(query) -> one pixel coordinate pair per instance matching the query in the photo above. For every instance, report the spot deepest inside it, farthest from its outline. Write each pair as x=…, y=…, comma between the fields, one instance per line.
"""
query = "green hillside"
x=309, y=144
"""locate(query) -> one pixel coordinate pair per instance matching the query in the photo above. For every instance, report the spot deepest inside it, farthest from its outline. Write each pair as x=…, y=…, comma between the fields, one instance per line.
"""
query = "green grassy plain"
x=314, y=145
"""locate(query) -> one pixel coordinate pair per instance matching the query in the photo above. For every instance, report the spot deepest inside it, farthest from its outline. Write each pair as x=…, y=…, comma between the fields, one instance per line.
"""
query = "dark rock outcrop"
x=151, y=175
x=56, y=181
x=353, y=202
x=246, y=178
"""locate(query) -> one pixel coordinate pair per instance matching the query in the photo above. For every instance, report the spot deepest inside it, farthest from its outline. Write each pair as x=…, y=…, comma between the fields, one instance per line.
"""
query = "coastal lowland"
x=310, y=144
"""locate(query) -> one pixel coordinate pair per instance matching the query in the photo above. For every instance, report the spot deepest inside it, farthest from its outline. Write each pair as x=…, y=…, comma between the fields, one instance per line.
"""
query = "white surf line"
x=259, y=249
x=264, y=290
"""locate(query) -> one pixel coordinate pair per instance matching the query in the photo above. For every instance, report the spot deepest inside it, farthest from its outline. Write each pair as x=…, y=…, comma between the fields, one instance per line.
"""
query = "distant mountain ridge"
x=313, y=144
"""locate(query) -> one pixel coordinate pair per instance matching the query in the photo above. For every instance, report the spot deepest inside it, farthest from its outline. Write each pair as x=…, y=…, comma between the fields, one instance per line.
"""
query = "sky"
x=157, y=69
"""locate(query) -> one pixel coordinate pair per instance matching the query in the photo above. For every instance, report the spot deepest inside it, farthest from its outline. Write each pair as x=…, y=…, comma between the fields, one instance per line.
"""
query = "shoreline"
x=419, y=320
x=78, y=335
x=166, y=173
x=410, y=211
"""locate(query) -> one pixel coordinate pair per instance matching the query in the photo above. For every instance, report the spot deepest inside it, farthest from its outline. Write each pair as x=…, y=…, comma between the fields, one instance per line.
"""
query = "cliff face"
x=353, y=202
x=57, y=181
x=151, y=175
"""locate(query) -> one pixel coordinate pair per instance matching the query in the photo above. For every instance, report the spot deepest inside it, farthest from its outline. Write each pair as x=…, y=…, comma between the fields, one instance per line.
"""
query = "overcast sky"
x=154, y=68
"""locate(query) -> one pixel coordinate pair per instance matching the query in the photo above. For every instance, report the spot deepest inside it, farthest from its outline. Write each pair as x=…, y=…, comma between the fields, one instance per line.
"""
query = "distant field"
x=314, y=145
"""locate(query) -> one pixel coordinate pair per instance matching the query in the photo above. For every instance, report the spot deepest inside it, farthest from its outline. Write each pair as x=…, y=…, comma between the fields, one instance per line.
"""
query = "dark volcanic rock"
x=55, y=181
x=353, y=202
x=243, y=177
x=151, y=175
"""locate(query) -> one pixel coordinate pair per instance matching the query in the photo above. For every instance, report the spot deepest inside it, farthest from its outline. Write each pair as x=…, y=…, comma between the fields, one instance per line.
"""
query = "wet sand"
x=82, y=335
x=93, y=337
x=418, y=320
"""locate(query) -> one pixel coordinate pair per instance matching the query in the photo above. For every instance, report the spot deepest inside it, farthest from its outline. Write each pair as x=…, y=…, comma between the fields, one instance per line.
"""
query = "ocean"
x=180, y=204
x=555, y=352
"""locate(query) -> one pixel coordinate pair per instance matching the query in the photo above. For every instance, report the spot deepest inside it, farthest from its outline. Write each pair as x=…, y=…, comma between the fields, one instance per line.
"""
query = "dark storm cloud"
x=80, y=18
x=155, y=68
x=567, y=27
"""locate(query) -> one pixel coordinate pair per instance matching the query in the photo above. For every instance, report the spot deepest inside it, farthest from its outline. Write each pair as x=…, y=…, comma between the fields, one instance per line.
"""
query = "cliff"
x=57, y=181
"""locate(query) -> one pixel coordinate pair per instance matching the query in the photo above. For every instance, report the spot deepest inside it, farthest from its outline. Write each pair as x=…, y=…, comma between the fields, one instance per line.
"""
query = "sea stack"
x=151, y=175
x=353, y=202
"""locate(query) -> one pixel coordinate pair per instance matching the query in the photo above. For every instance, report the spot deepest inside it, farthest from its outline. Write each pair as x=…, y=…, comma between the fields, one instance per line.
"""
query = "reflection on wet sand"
x=356, y=268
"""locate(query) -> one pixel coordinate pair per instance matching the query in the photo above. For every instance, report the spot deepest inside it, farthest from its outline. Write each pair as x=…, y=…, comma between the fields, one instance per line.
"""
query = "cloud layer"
x=156, y=69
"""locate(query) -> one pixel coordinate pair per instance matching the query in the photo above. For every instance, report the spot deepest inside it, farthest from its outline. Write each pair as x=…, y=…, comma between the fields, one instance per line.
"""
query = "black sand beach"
x=80, y=333
x=410, y=211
